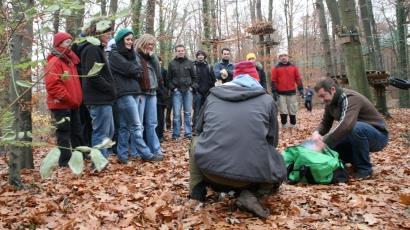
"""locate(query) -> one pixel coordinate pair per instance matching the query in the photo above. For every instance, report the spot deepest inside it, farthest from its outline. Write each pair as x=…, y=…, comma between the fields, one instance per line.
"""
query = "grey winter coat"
x=238, y=135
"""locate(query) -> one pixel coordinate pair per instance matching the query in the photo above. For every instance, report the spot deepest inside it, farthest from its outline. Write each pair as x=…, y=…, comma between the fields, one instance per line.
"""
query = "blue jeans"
x=102, y=123
x=148, y=114
x=356, y=147
x=180, y=99
x=198, y=102
x=130, y=129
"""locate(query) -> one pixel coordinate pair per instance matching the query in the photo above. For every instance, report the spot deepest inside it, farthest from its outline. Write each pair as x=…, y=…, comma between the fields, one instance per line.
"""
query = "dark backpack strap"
x=305, y=172
x=340, y=175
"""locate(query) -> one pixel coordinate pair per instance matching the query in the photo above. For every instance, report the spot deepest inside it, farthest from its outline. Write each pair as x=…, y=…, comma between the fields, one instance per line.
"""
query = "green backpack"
x=309, y=166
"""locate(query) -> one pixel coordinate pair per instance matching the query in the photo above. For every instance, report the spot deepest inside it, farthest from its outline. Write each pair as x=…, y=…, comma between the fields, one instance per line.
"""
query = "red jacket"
x=284, y=78
x=62, y=84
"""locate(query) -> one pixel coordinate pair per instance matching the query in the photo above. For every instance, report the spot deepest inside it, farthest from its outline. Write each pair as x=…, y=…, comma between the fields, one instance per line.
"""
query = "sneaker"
x=188, y=137
x=175, y=138
x=285, y=126
x=249, y=202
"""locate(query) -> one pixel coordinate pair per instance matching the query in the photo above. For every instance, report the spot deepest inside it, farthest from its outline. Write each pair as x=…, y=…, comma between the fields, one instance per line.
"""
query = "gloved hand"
x=224, y=74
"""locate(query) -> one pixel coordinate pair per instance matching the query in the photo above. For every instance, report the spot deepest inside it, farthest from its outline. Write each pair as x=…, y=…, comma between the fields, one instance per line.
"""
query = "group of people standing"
x=235, y=124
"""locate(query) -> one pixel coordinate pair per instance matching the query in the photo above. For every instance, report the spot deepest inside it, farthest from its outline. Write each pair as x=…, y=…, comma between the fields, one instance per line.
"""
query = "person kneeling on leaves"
x=235, y=149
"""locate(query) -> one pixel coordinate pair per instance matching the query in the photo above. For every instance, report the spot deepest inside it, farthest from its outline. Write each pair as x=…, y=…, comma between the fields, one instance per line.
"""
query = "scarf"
x=129, y=54
x=145, y=82
x=65, y=54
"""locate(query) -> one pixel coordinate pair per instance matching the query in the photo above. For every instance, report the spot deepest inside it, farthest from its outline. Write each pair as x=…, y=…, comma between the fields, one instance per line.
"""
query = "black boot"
x=199, y=192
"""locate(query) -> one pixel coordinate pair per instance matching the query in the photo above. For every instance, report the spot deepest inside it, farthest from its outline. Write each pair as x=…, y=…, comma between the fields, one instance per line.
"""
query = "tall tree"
x=349, y=36
x=113, y=10
x=206, y=25
x=401, y=12
x=21, y=156
x=150, y=16
x=324, y=35
x=332, y=6
x=103, y=7
x=75, y=21
x=259, y=18
x=136, y=16
x=369, y=36
x=161, y=25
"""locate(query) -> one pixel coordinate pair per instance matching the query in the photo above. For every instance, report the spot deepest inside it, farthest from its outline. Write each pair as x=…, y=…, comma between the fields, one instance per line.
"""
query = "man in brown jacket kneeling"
x=360, y=129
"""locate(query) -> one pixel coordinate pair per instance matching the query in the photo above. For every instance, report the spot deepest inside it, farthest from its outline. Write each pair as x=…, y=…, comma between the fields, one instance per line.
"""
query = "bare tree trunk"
x=103, y=7
x=21, y=156
x=261, y=38
x=113, y=10
x=238, y=29
x=56, y=21
x=136, y=16
x=207, y=25
x=150, y=16
x=270, y=10
x=401, y=12
x=367, y=34
x=162, y=48
x=334, y=14
x=325, y=39
x=353, y=56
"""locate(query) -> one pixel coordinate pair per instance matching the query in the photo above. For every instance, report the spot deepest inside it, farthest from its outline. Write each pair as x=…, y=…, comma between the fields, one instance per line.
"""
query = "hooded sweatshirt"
x=238, y=134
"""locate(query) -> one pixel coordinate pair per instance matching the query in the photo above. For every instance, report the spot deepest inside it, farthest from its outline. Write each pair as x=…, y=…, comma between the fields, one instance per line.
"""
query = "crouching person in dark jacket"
x=235, y=149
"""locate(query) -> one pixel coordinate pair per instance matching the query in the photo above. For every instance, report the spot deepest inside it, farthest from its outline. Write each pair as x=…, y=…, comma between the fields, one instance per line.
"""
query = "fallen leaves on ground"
x=144, y=195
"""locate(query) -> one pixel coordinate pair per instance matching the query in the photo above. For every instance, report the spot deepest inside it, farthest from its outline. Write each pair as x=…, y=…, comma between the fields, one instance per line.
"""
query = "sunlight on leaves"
x=76, y=162
x=49, y=163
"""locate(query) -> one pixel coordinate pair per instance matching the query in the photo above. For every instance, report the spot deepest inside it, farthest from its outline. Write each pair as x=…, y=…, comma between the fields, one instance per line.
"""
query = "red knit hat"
x=246, y=67
x=60, y=37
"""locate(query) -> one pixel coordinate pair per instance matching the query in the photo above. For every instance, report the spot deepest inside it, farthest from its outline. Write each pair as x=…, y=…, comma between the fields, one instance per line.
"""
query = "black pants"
x=308, y=105
x=86, y=126
x=168, y=116
x=161, y=121
x=69, y=132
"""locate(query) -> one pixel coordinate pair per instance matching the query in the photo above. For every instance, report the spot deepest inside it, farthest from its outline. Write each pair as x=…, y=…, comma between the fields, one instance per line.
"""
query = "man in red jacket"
x=285, y=77
x=64, y=94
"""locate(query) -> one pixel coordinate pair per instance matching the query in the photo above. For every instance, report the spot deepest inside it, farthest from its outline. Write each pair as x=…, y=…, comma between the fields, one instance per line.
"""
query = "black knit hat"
x=201, y=52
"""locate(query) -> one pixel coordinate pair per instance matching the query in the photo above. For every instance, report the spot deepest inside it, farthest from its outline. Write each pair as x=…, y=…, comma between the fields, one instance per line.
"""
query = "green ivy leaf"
x=65, y=76
x=95, y=69
x=66, y=12
x=93, y=40
x=63, y=120
x=84, y=149
x=49, y=163
x=99, y=161
x=76, y=162
x=52, y=8
x=106, y=143
x=102, y=25
x=9, y=136
x=24, y=83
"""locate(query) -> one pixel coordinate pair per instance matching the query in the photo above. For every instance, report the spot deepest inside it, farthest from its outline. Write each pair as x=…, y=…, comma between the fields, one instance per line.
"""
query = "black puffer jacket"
x=99, y=89
x=181, y=75
x=126, y=73
x=206, y=78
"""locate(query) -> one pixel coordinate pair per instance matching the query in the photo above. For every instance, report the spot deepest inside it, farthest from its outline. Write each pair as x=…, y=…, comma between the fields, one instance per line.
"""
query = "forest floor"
x=143, y=195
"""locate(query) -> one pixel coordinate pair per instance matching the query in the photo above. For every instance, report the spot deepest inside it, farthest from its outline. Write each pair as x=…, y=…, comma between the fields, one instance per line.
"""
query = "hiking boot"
x=199, y=192
x=249, y=202
x=285, y=126
x=123, y=161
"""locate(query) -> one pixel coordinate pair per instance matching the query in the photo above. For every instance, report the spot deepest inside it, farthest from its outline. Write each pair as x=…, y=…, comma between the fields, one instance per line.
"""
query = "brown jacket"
x=348, y=107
